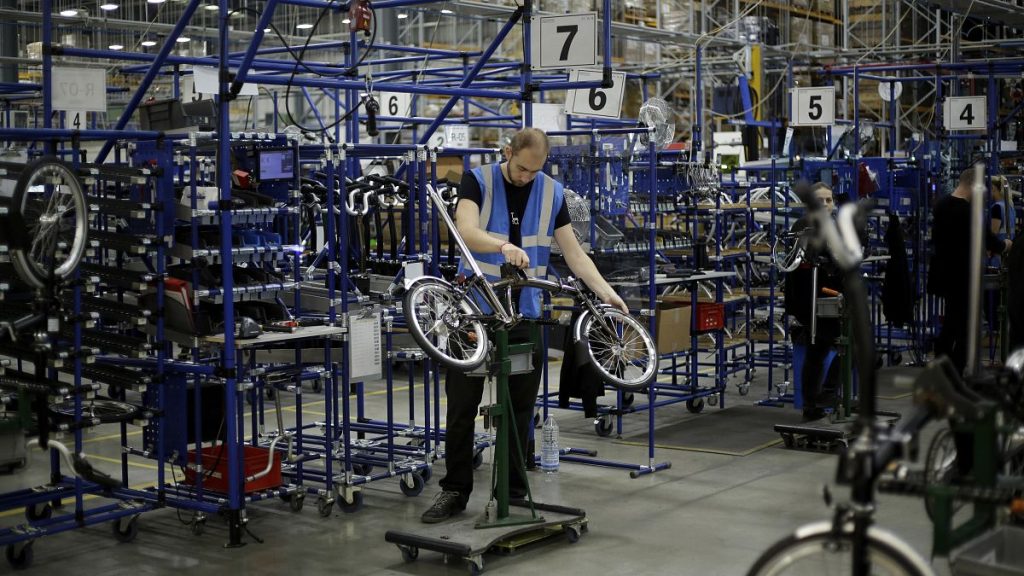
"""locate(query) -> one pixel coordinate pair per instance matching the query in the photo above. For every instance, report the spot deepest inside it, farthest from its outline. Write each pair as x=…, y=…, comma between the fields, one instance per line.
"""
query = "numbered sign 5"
x=966, y=113
x=813, y=106
x=395, y=104
x=599, y=102
x=564, y=41
x=79, y=89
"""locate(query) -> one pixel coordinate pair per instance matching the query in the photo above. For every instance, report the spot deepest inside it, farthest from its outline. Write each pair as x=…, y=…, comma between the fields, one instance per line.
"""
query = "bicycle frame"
x=503, y=311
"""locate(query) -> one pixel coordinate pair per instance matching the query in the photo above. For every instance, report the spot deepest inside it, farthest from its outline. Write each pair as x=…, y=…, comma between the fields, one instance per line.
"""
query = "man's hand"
x=515, y=255
x=613, y=299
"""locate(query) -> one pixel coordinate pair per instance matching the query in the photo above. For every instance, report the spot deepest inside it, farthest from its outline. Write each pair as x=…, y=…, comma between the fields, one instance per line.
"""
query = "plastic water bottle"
x=549, y=446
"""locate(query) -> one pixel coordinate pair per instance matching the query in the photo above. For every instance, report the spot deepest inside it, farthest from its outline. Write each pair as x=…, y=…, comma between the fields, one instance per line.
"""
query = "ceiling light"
x=116, y=47
x=402, y=15
x=108, y=7
x=69, y=12
x=155, y=1
x=211, y=7
x=304, y=26
x=346, y=21
x=267, y=30
x=446, y=11
x=182, y=39
x=148, y=43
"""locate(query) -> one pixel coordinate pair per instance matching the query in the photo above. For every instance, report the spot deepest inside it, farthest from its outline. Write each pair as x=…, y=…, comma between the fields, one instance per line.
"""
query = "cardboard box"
x=672, y=318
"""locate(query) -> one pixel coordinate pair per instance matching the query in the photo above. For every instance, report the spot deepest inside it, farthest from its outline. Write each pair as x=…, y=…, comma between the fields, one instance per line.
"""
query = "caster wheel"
x=744, y=389
x=362, y=469
x=352, y=507
x=37, y=512
x=296, y=501
x=198, y=527
x=603, y=426
x=324, y=506
x=271, y=392
x=695, y=405
x=426, y=473
x=476, y=566
x=318, y=386
x=409, y=553
x=572, y=533
x=19, y=556
x=417, y=485
x=478, y=459
x=627, y=400
x=788, y=440
x=713, y=400
x=126, y=531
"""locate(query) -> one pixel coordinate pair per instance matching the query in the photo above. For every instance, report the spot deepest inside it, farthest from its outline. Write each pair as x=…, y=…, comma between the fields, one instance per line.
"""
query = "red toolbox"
x=215, y=468
x=710, y=317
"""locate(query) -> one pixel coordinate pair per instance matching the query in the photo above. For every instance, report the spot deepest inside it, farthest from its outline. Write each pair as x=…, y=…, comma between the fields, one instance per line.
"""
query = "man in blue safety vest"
x=509, y=213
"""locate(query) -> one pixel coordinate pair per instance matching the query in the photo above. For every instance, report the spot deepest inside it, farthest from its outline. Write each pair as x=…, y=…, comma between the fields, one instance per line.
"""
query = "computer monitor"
x=276, y=164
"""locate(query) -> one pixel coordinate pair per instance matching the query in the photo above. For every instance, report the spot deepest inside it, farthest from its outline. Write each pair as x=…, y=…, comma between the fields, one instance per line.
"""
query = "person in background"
x=798, y=290
x=1002, y=216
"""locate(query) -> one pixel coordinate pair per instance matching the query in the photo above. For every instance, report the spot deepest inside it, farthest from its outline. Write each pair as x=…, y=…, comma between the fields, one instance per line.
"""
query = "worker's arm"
x=467, y=219
x=584, y=269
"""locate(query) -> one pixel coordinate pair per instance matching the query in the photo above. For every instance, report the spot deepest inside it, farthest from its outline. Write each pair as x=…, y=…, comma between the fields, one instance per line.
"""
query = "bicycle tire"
x=627, y=360
x=426, y=322
x=40, y=219
x=105, y=410
x=795, y=554
x=939, y=466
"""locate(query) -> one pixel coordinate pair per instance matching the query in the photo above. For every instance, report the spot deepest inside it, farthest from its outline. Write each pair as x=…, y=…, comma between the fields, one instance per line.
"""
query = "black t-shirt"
x=949, y=275
x=516, y=197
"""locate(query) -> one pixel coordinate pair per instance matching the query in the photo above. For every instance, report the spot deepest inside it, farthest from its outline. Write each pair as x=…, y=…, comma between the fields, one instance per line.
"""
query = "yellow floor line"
x=118, y=461
x=110, y=437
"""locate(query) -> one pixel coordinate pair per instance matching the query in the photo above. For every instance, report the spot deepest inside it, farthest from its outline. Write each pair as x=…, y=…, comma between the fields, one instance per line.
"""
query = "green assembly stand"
x=508, y=525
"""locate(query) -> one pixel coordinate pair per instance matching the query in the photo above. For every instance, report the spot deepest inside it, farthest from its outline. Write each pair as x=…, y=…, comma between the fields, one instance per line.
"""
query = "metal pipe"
x=250, y=53
x=977, y=245
x=143, y=87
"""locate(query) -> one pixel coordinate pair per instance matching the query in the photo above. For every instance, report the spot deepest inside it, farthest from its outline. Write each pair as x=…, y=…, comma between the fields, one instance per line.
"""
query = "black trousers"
x=813, y=372
x=464, y=396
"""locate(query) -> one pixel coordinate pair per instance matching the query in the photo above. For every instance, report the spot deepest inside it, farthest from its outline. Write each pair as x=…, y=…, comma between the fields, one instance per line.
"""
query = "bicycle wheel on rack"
x=814, y=550
x=102, y=409
x=619, y=347
x=47, y=221
x=441, y=321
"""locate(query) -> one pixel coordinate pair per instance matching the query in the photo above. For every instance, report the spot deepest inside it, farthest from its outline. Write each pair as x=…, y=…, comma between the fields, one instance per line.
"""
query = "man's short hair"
x=967, y=177
x=819, y=186
x=529, y=138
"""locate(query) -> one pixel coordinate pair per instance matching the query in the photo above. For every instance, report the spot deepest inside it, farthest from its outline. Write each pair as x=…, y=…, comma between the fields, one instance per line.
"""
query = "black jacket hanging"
x=897, y=295
x=577, y=378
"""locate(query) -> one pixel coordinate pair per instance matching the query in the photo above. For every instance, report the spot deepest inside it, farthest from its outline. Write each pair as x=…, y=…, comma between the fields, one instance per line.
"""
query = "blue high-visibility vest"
x=537, y=228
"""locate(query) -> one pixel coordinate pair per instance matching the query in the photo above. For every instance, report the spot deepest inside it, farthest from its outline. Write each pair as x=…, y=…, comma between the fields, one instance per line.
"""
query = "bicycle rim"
x=625, y=358
x=816, y=551
x=437, y=318
x=104, y=410
x=55, y=217
x=939, y=467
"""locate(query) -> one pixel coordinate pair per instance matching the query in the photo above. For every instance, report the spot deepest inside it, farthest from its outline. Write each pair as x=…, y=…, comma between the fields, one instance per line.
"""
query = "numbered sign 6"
x=813, y=106
x=966, y=113
x=564, y=41
x=395, y=104
x=599, y=102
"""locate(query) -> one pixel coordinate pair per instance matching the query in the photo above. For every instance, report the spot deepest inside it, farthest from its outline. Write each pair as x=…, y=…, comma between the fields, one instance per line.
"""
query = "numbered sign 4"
x=599, y=102
x=966, y=113
x=813, y=106
x=563, y=41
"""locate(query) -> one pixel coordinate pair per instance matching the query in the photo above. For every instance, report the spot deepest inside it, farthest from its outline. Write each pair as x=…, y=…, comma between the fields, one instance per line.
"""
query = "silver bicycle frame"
x=492, y=298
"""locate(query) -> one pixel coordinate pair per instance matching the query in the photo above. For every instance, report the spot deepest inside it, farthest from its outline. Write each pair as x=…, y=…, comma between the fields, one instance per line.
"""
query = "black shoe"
x=446, y=505
x=517, y=493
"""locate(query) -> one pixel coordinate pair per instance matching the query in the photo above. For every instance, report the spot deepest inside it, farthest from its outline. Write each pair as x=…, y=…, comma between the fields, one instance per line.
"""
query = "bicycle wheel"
x=102, y=409
x=939, y=467
x=814, y=550
x=625, y=356
x=437, y=319
x=48, y=222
